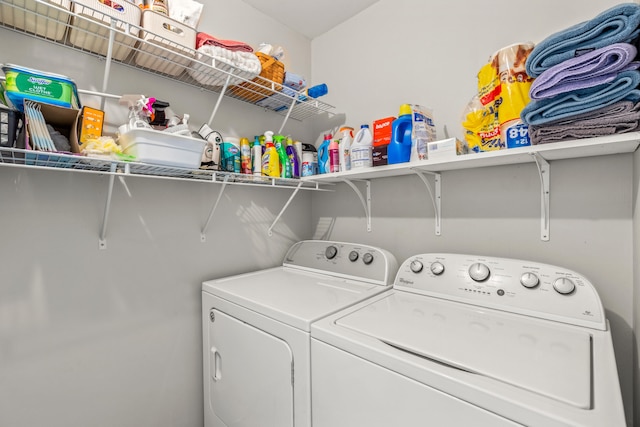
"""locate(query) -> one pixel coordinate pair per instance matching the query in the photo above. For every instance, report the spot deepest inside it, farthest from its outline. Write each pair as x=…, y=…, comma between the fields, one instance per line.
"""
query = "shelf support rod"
x=286, y=118
x=437, y=200
x=102, y=241
x=366, y=204
x=219, y=100
x=544, y=171
x=203, y=233
x=284, y=208
x=107, y=64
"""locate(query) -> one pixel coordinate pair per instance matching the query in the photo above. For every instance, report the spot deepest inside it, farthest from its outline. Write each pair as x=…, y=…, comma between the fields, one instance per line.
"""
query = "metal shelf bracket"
x=219, y=100
x=102, y=241
x=366, y=203
x=284, y=208
x=437, y=200
x=203, y=232
x=544, y=171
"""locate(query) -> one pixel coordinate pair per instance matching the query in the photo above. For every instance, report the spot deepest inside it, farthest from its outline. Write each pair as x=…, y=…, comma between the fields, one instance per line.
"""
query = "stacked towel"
x=623, y=87
x=587, y=80
x=233, y=45
x=616, y=25
x=588, y=70
x=621, y=117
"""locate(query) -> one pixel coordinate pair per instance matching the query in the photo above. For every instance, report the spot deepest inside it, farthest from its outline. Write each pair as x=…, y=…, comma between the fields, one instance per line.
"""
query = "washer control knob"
x=367, y=258
x=331, y=252
x=479, y=272
x=437, y=268
x=529, y=280
x=353, y=256
x=416, y=266
x=564, y=285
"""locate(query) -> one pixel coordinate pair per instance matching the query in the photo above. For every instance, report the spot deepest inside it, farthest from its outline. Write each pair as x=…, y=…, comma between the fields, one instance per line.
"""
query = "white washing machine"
x=256, y=330
x=464, y=340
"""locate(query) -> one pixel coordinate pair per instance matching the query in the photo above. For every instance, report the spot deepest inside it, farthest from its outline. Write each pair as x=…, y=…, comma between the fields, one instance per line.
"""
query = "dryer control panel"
x=348, y=260
x=517, y=286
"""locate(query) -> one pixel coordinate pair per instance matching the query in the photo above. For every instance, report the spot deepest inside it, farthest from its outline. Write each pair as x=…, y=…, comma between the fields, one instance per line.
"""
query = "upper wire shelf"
x=83, y=28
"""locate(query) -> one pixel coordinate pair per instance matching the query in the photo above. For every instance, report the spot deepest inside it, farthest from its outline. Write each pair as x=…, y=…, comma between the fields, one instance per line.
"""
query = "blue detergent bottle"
x=323, y=154
x=399, y=150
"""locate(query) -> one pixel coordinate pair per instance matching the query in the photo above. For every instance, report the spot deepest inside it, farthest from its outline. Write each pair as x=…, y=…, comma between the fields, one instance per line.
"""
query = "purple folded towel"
x=588, y=70
x=621, y=117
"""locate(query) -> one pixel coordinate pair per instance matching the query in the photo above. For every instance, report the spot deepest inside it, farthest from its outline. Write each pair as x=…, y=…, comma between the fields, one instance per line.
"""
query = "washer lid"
x=529, y=353
x=292, y=296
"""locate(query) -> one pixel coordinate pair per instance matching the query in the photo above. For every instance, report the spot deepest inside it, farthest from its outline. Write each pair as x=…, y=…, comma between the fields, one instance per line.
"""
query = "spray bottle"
x=256, y=157
x=334, y=156
x=270, y=160
x=292, y=153
x=245, y=156
x=285, y=164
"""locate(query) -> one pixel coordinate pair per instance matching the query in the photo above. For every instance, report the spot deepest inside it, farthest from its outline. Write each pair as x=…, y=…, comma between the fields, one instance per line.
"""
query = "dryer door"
x=250, y=381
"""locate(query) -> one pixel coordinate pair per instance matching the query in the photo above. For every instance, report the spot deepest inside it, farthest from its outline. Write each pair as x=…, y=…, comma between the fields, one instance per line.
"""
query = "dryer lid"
x=537, y=355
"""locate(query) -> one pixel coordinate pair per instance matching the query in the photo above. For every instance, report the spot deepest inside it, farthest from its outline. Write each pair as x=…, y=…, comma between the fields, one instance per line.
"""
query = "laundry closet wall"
x=403, y=51
x=106, y=338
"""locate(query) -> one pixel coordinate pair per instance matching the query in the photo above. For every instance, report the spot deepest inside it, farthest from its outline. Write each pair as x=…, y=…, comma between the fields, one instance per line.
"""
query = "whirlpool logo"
x=404, y=281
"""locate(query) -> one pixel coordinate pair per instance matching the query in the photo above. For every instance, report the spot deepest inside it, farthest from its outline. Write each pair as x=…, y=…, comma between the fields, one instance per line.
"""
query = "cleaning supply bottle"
x=399, y=150
x=323, y=154
x=292, y=154
x=256, y=156
x=309, y=160
x=345, y=148
x=362, y=149
x=245, y=156
x=285, y=164
x=334, y=156
x=270, y=160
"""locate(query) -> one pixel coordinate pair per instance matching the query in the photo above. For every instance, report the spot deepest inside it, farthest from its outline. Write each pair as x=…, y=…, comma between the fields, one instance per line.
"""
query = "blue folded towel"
x=546, y=110
x=591, y=69
x=616, y=25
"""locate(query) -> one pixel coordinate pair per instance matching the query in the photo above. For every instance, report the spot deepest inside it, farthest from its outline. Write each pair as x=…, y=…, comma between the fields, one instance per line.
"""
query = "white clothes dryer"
x=256, y=330
x=464, y=340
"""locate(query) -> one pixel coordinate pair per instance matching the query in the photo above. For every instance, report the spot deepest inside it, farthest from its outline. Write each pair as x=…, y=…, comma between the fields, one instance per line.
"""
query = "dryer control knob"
x=479, y=272
x=529, y=280
x=416, y=266
x=331, y=252
x=367, y=258
x=353, y=256
x=564, y=285
x=437, y=268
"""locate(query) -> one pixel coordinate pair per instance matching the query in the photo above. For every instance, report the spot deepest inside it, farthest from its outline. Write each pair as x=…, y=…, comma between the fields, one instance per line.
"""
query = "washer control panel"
x=349, y=260
x=522, y=287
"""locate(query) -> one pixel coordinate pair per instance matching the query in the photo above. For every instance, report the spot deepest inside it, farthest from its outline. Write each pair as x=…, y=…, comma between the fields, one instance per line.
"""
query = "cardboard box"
x=446, y=149
x=92, y=122
x=381, y=139
x=64, y=120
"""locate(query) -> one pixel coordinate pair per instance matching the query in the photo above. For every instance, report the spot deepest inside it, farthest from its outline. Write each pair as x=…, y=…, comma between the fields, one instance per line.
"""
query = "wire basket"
x=267, y=83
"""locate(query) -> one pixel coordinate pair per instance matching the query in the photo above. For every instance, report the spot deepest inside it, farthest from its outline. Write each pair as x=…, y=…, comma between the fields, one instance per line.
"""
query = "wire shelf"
x=78, y=163
x=83, y=28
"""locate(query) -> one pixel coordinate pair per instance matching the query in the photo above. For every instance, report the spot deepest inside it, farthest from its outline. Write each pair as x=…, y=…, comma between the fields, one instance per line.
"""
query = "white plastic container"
x=362, y=149
x=163, y=35
x=163, y=148
x=91, y=30
x=38, y=17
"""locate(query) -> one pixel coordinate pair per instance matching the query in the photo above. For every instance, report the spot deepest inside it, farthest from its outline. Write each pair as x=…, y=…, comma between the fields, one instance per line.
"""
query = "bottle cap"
x=405, y=109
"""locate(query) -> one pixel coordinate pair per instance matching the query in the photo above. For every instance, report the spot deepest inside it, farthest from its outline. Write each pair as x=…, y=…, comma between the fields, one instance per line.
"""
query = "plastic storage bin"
x=42, y=18
x=163, y=35
x=163, y=148
x=91, y=29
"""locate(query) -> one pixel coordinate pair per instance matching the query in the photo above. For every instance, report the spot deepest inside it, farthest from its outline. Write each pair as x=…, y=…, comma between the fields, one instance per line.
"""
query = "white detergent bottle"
x=362, y=149
x=345, y=149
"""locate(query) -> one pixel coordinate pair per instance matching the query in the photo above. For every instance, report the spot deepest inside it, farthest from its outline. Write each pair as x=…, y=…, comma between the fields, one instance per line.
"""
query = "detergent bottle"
x=256, y=156
x=309, y=160
x=270, y=160
x=292, y=153
x=285, y=164
x=362, y=149
x=334, y=156
x=399, y=150
x=345, y=148
x=323, y=154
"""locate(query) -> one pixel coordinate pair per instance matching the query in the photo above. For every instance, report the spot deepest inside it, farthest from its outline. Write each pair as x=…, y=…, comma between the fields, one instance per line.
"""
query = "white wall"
x=418, y=52
x=636, y=280
x=113, y=337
